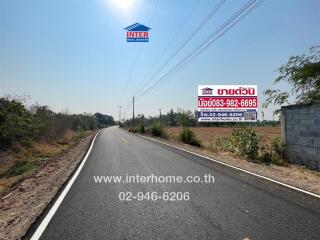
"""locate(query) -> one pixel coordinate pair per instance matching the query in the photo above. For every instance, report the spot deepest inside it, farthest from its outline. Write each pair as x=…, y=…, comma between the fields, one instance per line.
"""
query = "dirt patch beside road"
x=24, y=202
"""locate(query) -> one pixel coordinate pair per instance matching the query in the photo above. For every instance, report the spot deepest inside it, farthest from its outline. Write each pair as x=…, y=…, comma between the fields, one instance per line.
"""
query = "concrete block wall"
x=300, y=132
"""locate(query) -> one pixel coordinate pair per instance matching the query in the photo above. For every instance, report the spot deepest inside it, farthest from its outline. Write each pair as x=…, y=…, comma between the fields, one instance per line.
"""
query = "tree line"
x=186, y=118
x=22, y=124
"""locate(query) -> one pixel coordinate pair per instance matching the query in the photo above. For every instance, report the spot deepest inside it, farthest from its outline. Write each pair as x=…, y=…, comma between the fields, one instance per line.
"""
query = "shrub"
x=266, y=157
x=17, y=124
x=273, y=153
x=141, y=129
x=213, y=147
x=133, y=129
x=222, y=143
x=276, y=146
x=244, y=141
x=23, y=167
x=157, y=130
x=277, y=152
x=188, y=137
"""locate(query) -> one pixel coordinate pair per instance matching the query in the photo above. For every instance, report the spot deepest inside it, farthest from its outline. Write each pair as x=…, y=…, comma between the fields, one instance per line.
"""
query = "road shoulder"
x=22, y=205
x=293, y=175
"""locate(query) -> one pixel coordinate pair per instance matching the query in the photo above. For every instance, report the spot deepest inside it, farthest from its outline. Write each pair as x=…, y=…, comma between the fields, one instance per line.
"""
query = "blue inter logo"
x=137, y=33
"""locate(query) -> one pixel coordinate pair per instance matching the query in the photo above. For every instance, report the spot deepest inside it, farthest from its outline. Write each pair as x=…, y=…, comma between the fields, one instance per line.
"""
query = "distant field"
x=208, y=135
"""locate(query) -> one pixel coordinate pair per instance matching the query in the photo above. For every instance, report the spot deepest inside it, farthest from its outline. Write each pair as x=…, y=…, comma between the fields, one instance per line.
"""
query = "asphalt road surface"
x=236, y=206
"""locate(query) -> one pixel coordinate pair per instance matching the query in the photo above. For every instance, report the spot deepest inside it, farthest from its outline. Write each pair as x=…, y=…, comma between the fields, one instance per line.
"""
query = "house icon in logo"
x=207, y=91
x=137, y=33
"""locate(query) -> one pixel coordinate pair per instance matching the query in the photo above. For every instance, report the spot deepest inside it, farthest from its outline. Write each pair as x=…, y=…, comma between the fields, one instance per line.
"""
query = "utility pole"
x=160, y=113
x=119, y=114
x=133, y=109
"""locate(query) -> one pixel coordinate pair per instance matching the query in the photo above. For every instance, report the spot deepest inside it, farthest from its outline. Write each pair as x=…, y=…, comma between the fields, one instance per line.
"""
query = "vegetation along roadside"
x=30, y=135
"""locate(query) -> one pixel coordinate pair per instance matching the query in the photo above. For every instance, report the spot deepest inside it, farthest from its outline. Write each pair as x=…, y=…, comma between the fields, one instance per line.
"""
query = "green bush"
x=23, y=167
x=138, y=129
x=19, y=124
x=141, y=129
x=244, y=142
x=157, y=130
x=276, y=146
x=188, y=137
x=277, y=152
x=133, y=129
x=273, y=153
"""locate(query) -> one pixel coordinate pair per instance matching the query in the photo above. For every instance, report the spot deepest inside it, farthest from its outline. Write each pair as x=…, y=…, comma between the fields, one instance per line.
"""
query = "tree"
x=17, y=124
x=185, y=118
x=103, y=120
x=303, y=75
x=172, y=118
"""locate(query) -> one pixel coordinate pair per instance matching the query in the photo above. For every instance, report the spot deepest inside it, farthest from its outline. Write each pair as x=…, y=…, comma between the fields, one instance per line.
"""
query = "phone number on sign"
x=239, y=102
x=154, y=196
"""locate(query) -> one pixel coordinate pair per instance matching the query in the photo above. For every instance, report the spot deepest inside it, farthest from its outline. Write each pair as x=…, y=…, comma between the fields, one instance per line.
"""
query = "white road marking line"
x=37, y=234
x=240, y=169
x=124, y=140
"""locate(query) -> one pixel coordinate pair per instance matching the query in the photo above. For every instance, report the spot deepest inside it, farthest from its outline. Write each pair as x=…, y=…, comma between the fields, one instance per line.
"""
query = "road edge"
x=228, y=165
x=47, y=218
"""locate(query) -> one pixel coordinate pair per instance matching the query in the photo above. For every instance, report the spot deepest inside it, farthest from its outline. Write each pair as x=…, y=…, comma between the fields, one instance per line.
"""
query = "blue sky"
x=73, y=54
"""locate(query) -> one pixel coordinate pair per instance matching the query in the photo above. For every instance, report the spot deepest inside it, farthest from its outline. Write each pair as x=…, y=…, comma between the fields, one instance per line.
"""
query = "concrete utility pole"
x=133, y=109
x=119, y=113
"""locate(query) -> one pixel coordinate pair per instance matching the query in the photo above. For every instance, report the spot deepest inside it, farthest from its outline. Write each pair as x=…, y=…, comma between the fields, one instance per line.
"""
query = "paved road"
x=236, y=206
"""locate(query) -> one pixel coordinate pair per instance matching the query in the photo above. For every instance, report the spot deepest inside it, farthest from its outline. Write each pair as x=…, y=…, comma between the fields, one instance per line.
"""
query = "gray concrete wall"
x=300, y=130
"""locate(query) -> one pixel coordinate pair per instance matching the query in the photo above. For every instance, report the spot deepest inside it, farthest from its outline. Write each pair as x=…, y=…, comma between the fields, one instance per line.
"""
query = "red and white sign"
x=218, y=103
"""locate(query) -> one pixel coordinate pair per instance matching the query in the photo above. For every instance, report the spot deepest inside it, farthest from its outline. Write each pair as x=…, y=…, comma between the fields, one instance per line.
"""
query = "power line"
x=251, y=5
x=134, y=64
x=195, y=31
x=153, y=12
x=170, y=42
x=194, y=52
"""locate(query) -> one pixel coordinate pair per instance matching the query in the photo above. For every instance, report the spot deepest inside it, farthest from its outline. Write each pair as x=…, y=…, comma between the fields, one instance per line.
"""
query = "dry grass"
x=25, y=160
x=209, y=135
x=22, y=204
x=21, y=161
